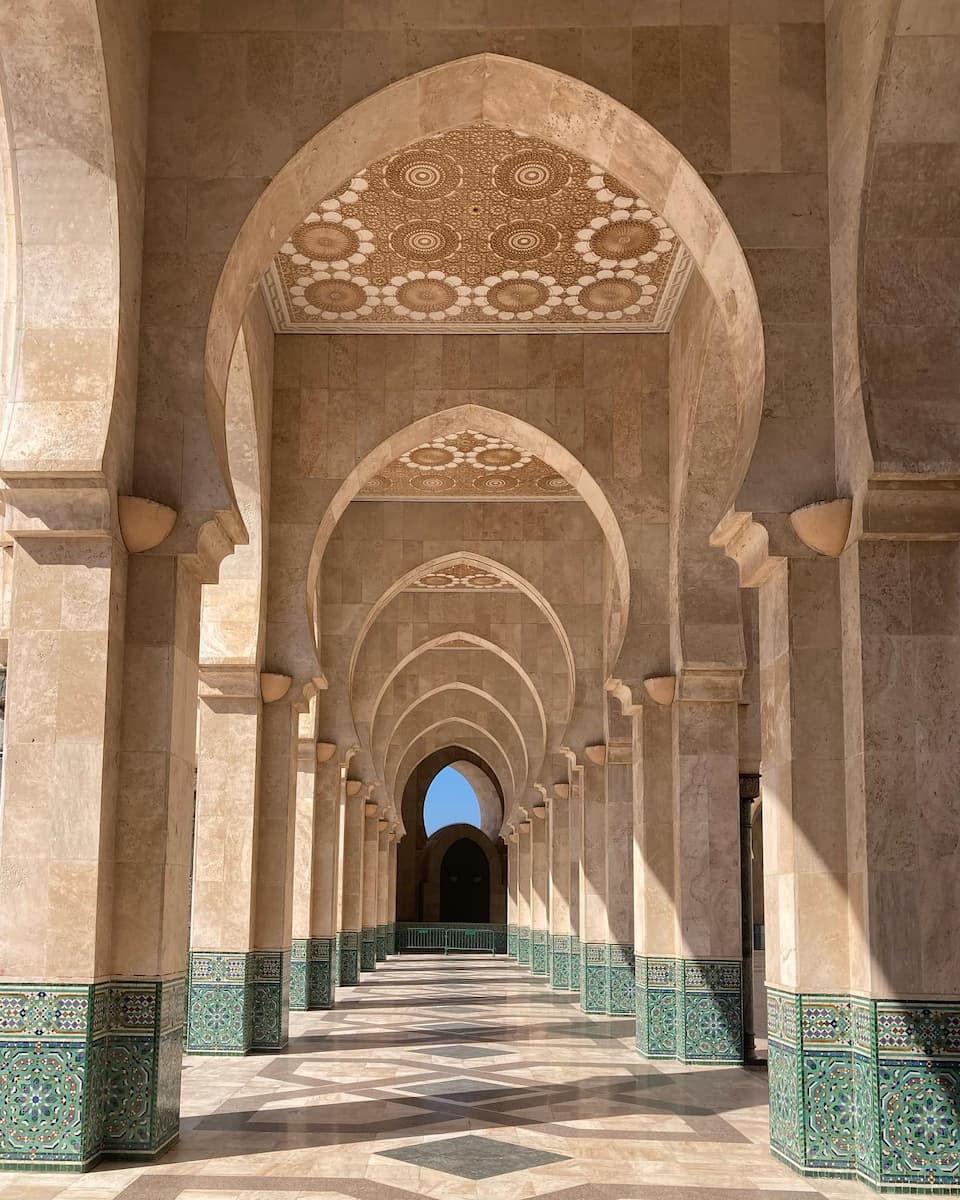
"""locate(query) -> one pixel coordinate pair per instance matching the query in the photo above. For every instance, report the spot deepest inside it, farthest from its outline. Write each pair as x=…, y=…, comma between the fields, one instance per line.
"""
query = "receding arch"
x=473, y=639
x=488, y=798
x=467, y=689
x=503, y=771
x=482, y=561
x=535, y=100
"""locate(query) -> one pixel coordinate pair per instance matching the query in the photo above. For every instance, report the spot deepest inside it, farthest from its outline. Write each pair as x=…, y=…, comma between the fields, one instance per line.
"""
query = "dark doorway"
x=465, y=883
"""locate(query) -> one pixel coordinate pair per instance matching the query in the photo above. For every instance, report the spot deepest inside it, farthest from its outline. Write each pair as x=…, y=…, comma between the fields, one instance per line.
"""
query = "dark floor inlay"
x=458, y=1087
x=473, y=1157
x=461, y=1051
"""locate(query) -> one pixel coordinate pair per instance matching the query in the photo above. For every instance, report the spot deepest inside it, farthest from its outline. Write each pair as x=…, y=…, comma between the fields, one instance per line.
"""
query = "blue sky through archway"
x=450, y=800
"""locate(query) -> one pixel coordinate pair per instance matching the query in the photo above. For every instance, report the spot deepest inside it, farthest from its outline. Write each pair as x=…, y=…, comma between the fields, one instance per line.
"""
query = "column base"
x=368, y=949
x=381, y=943
x=866, y=1089
x=512, y=941
x=539, y=960
x=560, y=961
x=593, y=977
x=89, y=1070
x=523, y=945
x=348, y=953
x=312, y=973
x=690, y=1010
x=391, y=940
x=238, y=1002
x=620, y=984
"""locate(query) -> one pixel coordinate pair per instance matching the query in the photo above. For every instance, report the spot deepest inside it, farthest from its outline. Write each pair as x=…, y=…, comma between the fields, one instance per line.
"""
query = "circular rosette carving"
x=518, y=295
x=439, y=455
x=425, y=241
x=610, y=295
x=493, y=454
x=495, y=485
x=426, y=296
x=329, y=242
x=423, y=174
x=334, y=295
x=532, y=174
x=554, y=485
x=524, y=241
x=433, y=485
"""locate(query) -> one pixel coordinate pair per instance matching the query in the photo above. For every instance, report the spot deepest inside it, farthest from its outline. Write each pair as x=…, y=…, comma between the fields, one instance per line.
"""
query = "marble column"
x=619, y=997
x=539, y=891
x=392, y=894
x=57, y=829
x=654, y=914
x=575, y=784
x=371, y=867
x=316, y=878
x=351, y=907
x=512, y=897
x=383, y=883
x=706, y=815
x=558, y=848
x=220, y=965
x=152, y=853
x=273, y=926
x=594, y=956
x=523, y=893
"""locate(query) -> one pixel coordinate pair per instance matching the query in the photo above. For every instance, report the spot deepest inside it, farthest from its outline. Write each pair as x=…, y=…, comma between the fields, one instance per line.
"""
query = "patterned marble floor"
x=463, y=1078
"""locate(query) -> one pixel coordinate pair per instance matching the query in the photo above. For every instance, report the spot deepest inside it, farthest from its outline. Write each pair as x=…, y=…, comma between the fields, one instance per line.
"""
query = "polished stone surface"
x=560, y=1102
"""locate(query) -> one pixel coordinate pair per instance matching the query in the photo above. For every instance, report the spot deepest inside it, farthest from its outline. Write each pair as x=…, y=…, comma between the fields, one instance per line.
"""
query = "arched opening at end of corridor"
x=450, y=800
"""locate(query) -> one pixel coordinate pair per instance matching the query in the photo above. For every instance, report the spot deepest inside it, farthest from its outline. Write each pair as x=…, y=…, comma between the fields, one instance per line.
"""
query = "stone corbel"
x=823, y=527
x=325, y=751
x=382, y=824
x=661, y=688
x=233, y=681
x=562, y=790
x=540, y=805
x=371, y=808
x=144, y=524
x=274, y=687
x=57, y=508
x=619, y=753
x=595, y=754
x=354, y=787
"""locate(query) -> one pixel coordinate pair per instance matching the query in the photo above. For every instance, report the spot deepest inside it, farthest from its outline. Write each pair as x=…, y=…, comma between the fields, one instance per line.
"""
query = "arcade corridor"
x=456, y=1077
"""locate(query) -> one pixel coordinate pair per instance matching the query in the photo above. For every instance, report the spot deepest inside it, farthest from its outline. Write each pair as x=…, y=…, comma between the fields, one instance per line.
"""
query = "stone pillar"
x=316, y=876
x=706, y=804
x=383, y=883
x=152, y=851
x=273, y=927
x=593, y=887
x=523, y=893
x=57, y=820
x=371, y=866
x=654, y=913
x=575, y=776
x=392, y=894
x=220, y=999
x=351, y=911
x=512, y=896
x=558, y=846
x=620, y=998
x=539, y=892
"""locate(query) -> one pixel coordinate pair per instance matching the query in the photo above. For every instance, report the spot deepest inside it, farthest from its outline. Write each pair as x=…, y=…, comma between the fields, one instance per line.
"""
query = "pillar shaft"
x=383, y=883
x=351, y=909
x=558, y=845
x=371, y=856
x=593, y=889
x=706, y=790
x=392, y=897
x=619, y=996
x=655, y=916
x=513, y=900
x=576, y=842
x=523, y=893
x=539, y=895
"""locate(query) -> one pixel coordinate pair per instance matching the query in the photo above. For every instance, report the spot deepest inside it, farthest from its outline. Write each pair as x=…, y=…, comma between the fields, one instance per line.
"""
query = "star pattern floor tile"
x=473, y=1157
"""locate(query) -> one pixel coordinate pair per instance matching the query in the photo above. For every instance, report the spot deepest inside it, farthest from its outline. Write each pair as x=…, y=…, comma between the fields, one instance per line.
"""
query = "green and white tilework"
x=348, y=954
x=539, y=963
x=313, y=973
x=368, y=949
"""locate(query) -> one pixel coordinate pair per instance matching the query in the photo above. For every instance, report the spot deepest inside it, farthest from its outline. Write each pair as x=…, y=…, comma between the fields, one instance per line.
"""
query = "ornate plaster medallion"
x=461, y=577
x=468, y=464
x=477, y=229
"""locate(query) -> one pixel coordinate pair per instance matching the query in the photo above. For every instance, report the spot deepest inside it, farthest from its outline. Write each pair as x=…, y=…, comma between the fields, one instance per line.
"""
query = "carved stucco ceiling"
x=460, y=577
x=479, y=228
x=468, y=464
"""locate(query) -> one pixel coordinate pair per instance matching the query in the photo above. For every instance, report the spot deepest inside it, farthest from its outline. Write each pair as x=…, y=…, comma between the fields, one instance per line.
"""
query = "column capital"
x=67, y=507
x=221, y=681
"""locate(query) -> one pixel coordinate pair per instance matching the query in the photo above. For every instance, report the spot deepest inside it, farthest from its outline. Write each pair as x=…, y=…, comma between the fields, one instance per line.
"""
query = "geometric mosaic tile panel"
x=348, y=943
x=368, y=949
x=312, y=973
x=237, y=1001
x=560, y=962
x=270, y=1001
x=689, y=1009
x=512, y=941
x=523, y=945
x=381, y=943
x=88, y=1070
x=620, y=983
x=539, y=964
x=866, y=1089
x=593, y=977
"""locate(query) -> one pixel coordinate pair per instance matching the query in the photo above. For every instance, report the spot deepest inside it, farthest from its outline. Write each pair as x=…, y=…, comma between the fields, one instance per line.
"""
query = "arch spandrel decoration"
x=568, y=114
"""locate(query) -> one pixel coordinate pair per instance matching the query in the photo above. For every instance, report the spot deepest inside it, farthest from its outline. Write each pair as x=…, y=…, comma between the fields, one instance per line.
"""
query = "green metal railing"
x=422, y=937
